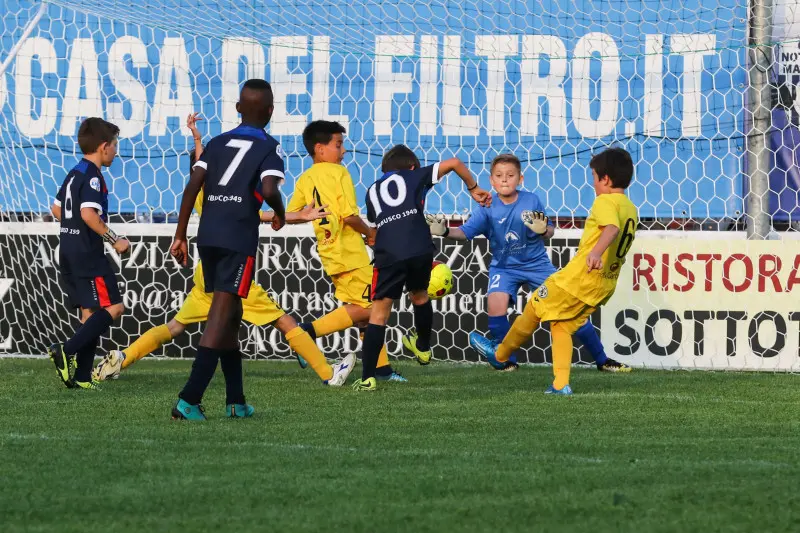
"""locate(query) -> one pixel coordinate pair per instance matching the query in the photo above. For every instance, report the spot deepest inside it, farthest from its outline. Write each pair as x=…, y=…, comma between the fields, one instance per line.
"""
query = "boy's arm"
x=56, y=210
x=595, y=258
x=483, y=197
x=90, y=200
x=309, y=213
x=179, y=248
x=358, y=224
x=440, y=228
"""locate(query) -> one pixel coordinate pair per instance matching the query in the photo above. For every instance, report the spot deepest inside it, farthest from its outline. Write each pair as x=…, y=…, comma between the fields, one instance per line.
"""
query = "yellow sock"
x=383, y=357
x=301, y=342
x=562, y=354
x=150, y=341
x=521, y=330
x=336, y=320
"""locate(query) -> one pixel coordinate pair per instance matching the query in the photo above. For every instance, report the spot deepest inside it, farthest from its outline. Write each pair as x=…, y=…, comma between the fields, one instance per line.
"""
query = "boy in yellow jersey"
x=567, y=298
x=258, y=309
x=340, y=236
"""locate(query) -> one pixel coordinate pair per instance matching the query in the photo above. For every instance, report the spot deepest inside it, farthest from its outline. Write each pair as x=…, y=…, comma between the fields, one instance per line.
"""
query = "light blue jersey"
x=518, y=254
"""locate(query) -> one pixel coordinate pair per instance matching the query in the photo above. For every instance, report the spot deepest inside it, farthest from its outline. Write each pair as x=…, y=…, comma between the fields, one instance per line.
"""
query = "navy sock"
x=423, y=322
x=231, y=364
x=203, y=368
x=499, y=326
x=588, y=336
x=384, y=371
x=91, y=330
x=373, y=342
x=85, y=361
x=308, y=327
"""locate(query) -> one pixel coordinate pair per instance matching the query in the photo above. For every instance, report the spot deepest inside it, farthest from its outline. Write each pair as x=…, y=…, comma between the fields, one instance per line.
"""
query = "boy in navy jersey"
x=517, y=228
x=404, y=249
x=81, y=206
x=238, y=171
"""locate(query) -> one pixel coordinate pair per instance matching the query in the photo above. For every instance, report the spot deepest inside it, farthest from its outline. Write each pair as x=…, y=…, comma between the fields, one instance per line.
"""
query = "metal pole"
x=26, y=32
x=760, y=109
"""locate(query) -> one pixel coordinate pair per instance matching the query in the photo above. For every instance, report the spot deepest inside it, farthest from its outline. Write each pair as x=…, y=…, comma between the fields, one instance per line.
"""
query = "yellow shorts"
x=258, y=308
x=551, y=303
x=354, y=286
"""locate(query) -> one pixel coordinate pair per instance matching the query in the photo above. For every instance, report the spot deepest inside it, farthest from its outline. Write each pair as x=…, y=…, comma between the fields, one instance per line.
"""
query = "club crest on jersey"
x=542, y=292
x=94, y=183
x=280, y=152
x=511, y=236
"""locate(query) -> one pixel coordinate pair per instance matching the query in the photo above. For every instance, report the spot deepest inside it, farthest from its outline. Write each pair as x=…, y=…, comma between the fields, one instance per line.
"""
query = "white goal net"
x=551, y=81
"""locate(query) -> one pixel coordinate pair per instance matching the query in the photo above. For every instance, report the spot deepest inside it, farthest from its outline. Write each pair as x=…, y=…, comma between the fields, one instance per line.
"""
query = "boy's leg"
x=588, y=337
x=219, y=339
x=562, y=354
x=150, y=341
x=101, y=295
x=374, y=337
x=521, y=330
x=301, y=342
x=417, y=273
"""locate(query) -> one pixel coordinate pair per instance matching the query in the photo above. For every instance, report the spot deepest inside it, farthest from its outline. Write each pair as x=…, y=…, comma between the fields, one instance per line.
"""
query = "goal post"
x=550, y=81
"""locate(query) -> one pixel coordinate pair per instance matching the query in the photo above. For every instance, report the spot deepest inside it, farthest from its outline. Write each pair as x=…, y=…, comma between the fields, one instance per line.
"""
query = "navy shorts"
x=227, y=270
x=413, y=274
x=91, y=292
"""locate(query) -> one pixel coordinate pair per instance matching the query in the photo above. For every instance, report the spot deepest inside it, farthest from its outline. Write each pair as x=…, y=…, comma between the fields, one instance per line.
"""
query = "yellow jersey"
x=340, y=247
x=596, y=287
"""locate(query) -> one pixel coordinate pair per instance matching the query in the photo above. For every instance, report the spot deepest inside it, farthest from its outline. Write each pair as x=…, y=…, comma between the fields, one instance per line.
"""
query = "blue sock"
x=498, y=327
x=588, y=336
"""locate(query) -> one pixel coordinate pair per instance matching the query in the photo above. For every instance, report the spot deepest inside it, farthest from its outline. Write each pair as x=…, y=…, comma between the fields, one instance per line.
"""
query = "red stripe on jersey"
x=102, y=292
x=258, y=197
x=374, y=283
x=247, y=277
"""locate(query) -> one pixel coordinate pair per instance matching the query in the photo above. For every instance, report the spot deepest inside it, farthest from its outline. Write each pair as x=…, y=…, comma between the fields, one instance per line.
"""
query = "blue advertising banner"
x=552, y=81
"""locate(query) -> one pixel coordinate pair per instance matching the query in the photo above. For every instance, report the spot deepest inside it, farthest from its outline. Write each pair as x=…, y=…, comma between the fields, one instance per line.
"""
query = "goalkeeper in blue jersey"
x=517, y=228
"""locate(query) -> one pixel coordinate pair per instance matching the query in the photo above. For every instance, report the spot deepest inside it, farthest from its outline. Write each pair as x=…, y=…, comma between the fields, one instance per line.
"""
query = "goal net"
x=552, y=81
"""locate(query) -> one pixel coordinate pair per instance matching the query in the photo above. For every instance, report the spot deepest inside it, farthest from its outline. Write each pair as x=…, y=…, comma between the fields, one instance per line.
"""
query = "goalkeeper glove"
x=438, y=226
x=536, y=221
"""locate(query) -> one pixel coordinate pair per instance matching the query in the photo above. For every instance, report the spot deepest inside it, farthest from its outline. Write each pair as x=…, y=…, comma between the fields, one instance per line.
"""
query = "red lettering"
x=665, y=272
x=771, y=273
x=709, y=259
x=794, y=279
x=681, y=269
x=748, y=273
x=645, y=272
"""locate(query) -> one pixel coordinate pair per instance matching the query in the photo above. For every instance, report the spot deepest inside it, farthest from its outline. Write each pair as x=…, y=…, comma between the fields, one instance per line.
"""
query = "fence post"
x=759, y=102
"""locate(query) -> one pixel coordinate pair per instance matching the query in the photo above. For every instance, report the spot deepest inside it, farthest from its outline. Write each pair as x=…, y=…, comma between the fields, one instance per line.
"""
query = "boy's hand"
x=370, y=239
x=536, y=221
x=438, y=226
x=191, y=123
x=179, y=250
x=482, y=196
x=122, y=246
x=278, y=221
x=594, y=261
x=311, y=212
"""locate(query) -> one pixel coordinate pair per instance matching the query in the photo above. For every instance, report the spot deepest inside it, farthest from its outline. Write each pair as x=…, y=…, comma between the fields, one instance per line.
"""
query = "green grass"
x=460, y=448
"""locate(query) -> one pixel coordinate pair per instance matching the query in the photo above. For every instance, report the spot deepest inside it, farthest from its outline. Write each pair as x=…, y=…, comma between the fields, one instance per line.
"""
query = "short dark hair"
x=616, y=163
x=506, y=158
x=257, y=84
x=94, y=132
x=320, y=132
x=399, y=157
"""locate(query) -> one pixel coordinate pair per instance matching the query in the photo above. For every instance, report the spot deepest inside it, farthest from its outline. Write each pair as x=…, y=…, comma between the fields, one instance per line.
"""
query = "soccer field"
x=459, y=448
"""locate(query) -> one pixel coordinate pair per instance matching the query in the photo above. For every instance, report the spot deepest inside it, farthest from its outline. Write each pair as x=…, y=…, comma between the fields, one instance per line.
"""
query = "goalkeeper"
x=517, y=229
x=258, y=308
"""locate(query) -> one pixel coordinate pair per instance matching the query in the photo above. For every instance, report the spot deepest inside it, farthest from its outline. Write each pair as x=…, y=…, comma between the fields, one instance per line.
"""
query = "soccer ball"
x=441, y=281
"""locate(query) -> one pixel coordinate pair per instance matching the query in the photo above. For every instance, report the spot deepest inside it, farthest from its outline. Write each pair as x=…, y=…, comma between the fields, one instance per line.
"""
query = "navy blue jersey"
x=81, y=251
x=235, y=163
x=396, y=205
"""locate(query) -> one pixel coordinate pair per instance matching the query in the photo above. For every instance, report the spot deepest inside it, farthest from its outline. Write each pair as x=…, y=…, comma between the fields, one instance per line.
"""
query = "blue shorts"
x=510, y=281
x=91, y=292
x=227, y=270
